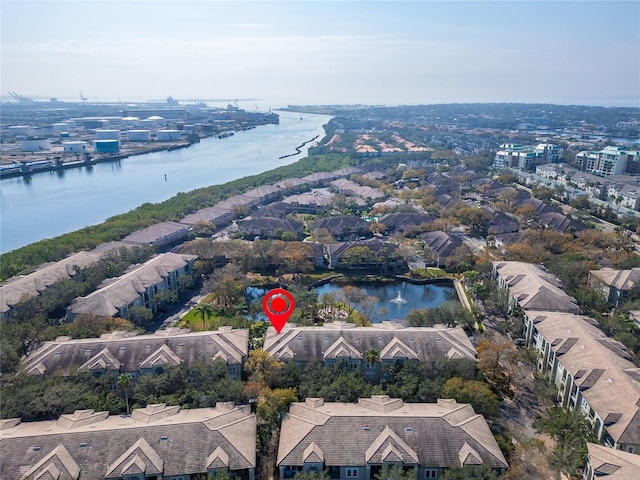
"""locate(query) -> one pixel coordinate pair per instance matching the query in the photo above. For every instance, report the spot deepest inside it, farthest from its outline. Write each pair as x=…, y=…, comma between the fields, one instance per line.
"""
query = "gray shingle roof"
x=613, y=464
x=442, y=244
x=215, y=215
x=533, y=288
x=339, y=225
x=15, y=289
x=622, y=280
x=345, y=340
x=442, y=434
x=349, y=187
x=401, y=220
x=128, y=352
x=177, y=443
x=158, y=233
x=118, y=292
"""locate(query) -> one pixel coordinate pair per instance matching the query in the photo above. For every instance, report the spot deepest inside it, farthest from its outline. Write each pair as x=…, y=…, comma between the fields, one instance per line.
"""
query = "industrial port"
x=54, y=135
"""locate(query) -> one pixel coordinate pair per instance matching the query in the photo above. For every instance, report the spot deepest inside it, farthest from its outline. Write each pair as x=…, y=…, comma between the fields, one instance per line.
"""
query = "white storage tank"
x=35, y=144
x=74, y=147
x=168, y=135
x=107, y=134
x=146, y=123
x=130, y=122
x=139, y=135
x=156, y=120
x=16, y=130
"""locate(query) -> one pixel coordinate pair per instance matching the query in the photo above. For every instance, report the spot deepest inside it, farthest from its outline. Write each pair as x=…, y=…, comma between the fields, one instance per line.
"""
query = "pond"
x=398, y=298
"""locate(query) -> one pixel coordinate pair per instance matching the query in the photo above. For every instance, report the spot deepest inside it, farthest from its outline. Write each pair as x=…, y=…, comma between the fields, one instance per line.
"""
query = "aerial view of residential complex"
x=199, y=287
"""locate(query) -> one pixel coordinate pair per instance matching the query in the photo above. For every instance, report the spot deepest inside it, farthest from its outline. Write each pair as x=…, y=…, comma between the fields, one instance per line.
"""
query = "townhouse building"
x=138, y=287
x=17, y=289
x=158, y=442
x=126, y=352
x=424, y=438
x=342, y=341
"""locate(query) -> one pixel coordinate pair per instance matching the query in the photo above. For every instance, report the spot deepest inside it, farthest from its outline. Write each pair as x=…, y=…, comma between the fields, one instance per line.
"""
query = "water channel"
x=48, y=204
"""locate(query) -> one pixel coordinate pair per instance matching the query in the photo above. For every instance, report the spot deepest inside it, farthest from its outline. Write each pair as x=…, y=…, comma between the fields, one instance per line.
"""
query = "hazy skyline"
x=326, y=52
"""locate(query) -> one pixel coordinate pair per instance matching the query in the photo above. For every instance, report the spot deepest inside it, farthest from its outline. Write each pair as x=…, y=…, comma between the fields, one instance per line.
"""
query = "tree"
x=448, y=313
x=205, y=311
x=377, y=228
x=527, y=212
x=462, y=259
x=296, y=258
x=473, y=472
x=229, y=286
x=357, y=303
x=124, y=382
x=262, y=367
x=372, y=356
x=140, y=316
x=220, y=474
x=87, y=326
x=477, y=393
x=498, y=360
x=203, y=228
x=581, y=202
x=357, y=255
x=476, y=218
x=572, y=431
x=274, y=403
x=395, y=472
x=322, y=235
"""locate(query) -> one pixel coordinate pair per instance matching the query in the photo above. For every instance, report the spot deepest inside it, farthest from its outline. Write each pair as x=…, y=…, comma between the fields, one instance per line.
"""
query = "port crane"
x=20, y=98
x=82, y=97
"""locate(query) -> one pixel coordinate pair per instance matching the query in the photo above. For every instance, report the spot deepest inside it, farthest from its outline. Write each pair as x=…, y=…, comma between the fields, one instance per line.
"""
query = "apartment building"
x=593, y=374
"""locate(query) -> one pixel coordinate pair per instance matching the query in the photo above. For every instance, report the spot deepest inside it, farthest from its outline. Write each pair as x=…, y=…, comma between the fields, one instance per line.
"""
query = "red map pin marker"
x=278, y=305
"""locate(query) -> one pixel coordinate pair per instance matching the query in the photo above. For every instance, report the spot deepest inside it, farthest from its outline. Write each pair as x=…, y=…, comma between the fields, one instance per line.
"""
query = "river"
x=49, y=204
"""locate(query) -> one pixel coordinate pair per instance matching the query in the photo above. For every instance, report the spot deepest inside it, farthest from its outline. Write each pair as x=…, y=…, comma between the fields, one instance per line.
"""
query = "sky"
x=323, y=52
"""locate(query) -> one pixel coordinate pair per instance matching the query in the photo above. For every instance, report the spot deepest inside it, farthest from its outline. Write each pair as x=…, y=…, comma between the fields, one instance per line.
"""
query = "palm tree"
x=205, y=311
x=124, y=382
x=372, y=356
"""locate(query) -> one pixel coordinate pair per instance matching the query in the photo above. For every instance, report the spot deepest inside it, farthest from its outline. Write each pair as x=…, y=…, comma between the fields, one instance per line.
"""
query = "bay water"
x=49, y=204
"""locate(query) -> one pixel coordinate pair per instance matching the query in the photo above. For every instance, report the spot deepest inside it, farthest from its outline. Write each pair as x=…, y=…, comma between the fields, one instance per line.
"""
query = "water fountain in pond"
x=398, y=299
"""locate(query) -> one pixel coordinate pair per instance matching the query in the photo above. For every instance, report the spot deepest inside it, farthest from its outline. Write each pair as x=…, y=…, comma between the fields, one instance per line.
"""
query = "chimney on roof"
x=314, y=402
x=225, y=406
x=447, y=403
x=381, y=403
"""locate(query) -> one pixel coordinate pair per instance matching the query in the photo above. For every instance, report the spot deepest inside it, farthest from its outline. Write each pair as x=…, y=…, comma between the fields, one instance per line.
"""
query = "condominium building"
x=526, y=157
x=609, y=161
